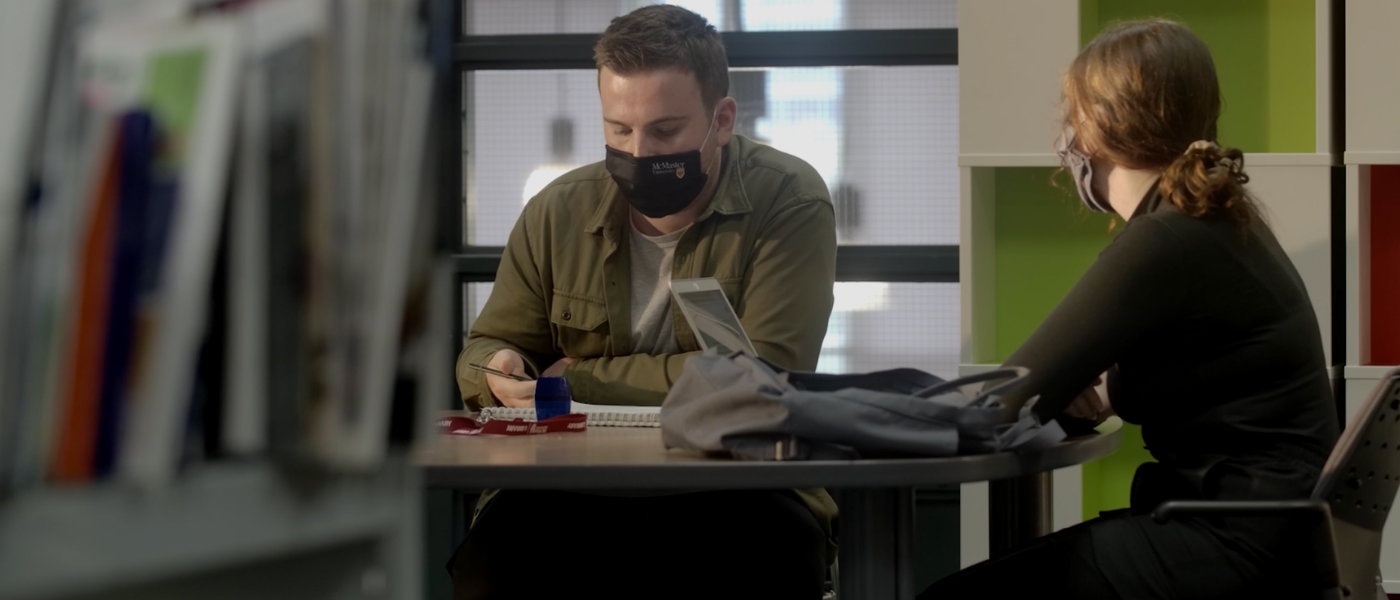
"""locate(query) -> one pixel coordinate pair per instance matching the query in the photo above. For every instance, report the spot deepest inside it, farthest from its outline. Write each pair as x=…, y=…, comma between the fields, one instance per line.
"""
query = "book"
x=267, y=231
x=76, y=440
x=184, y=72
x=218, y=238
x=139, y=138
x=367, y=433
x=361, y=230
x=288, y=200
x=70, y=155
x=245, y=420
x=326, y=217
x=334, y=233
x=25, y=41
x=598, y=415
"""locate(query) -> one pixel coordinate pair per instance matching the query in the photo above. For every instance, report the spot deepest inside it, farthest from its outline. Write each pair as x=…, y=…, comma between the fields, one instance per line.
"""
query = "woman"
x=1205, y=331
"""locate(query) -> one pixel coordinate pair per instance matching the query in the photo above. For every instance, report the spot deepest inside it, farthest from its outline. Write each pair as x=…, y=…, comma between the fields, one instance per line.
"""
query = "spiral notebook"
x=598, y=415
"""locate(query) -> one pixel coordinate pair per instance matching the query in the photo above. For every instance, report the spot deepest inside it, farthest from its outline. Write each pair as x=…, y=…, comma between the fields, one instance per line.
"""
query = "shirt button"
x=567, y=315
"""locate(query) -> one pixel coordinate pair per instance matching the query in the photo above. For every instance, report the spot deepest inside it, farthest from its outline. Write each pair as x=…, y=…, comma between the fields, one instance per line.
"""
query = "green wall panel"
x=1045, y=240
x=1264, y=53
x=1108, y=481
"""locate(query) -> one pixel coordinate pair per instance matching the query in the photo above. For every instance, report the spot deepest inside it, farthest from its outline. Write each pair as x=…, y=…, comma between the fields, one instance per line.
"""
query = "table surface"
x=634, y=458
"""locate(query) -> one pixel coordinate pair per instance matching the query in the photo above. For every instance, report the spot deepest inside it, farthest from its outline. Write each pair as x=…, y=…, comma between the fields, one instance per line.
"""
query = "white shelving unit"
x=1373, y=92
x=1296, y=202
x=1010, y=55
x=1372, y=138
x=223, y=530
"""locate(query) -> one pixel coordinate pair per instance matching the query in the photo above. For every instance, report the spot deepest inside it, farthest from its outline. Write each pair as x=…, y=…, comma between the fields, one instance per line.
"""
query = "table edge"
x=878, y=473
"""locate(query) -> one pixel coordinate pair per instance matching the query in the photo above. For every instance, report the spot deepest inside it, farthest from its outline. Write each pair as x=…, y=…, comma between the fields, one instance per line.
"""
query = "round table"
x=875, y=496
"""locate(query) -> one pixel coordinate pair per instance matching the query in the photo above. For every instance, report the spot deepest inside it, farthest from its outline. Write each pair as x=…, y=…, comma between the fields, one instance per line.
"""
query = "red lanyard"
x=470, y=426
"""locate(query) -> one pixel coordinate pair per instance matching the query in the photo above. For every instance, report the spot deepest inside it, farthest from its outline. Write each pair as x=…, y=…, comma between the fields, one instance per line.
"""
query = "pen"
x=498, y=373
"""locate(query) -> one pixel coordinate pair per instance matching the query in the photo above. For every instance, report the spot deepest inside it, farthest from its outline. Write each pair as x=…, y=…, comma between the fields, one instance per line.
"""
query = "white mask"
x=1082, y=169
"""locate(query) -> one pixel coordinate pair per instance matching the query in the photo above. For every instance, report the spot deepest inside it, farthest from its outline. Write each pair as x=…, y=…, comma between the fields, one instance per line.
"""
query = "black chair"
x=1349, y=505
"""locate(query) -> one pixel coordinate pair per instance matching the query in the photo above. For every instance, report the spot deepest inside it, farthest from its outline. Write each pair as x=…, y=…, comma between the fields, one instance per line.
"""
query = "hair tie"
x=1203, y=146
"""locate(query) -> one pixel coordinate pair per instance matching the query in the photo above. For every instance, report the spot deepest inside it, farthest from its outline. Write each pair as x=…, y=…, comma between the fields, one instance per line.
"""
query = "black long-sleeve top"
x=1210, y=342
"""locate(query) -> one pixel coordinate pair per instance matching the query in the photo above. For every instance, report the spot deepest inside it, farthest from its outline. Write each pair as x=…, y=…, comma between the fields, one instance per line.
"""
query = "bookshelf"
x=1025, y=241
x=109, y=539
x=166, y=134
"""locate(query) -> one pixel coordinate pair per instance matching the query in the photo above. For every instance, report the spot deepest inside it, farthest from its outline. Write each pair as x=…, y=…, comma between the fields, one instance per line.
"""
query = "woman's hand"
x=1091, y=405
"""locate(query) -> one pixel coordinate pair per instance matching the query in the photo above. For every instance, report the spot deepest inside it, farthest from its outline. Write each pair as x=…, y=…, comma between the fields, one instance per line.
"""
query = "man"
x=583, y=292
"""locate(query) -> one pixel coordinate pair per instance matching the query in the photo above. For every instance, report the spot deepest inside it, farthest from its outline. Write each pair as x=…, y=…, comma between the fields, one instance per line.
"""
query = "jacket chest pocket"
x=580, y=326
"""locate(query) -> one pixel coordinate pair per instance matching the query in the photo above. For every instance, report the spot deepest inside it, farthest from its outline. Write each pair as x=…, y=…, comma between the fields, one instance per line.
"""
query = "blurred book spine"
x=211, y=235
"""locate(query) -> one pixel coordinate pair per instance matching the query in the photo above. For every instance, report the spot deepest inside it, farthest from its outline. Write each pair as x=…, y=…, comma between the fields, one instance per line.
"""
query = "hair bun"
x=1207, y=179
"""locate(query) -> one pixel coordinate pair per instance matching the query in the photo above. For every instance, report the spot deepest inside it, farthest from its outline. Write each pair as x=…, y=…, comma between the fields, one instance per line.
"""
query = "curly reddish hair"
x=1144, y=95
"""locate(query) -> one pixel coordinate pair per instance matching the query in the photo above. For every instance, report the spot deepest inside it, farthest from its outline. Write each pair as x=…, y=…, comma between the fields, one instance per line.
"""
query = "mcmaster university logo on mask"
x=663, y=167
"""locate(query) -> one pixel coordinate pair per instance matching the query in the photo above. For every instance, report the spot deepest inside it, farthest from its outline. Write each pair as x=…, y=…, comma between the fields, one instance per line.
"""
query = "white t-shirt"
x=652, y=329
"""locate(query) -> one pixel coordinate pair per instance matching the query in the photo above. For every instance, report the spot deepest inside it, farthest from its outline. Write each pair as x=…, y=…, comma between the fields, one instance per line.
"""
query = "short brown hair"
x=1140, y=95
x=664, y=36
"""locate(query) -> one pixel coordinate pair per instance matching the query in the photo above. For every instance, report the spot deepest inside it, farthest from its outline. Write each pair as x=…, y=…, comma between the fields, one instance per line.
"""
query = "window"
x=885, y=139
x=878, y=325
x=882, y=134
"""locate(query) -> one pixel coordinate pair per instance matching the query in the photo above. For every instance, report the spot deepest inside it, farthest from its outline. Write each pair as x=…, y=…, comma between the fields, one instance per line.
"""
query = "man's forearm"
x=636, y=380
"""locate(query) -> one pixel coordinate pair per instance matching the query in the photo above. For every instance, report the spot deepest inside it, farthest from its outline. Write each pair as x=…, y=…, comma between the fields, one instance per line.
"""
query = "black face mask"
x=658, y=186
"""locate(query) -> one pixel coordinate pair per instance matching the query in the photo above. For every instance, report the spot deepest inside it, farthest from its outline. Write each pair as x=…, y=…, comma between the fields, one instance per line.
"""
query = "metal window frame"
x=892, y=264
x=745, y=49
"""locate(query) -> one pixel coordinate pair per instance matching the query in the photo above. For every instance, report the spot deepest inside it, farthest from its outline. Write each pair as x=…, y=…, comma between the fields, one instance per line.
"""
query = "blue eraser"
x=552, y=398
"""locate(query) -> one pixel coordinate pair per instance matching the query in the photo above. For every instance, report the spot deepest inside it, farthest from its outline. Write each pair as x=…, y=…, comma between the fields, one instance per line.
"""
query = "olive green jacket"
x=563, y=288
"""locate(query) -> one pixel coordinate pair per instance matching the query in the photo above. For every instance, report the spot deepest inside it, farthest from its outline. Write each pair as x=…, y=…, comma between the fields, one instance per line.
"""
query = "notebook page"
x=598, y=415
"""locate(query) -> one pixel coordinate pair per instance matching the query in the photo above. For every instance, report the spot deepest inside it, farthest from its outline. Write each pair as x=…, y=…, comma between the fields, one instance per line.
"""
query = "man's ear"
x=726, y=115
